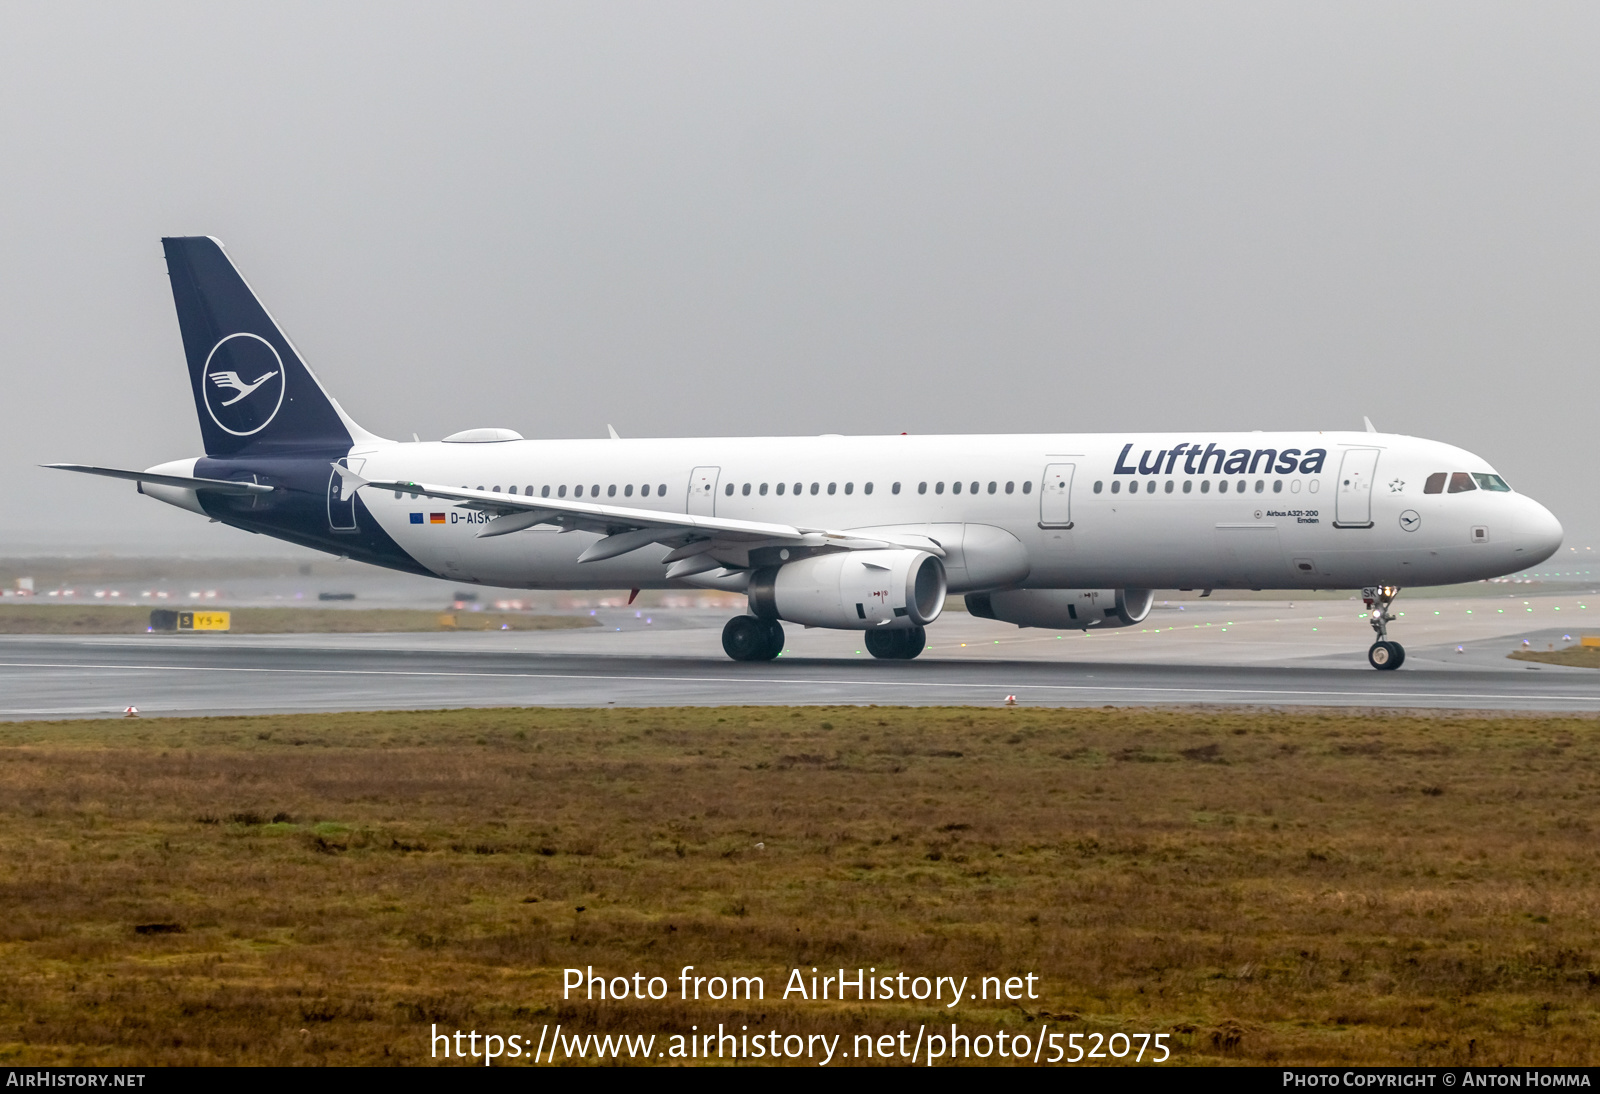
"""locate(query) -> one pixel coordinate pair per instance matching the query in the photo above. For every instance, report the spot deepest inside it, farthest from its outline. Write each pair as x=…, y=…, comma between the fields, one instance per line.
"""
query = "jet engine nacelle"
x=1065, y=609
x=852, y=590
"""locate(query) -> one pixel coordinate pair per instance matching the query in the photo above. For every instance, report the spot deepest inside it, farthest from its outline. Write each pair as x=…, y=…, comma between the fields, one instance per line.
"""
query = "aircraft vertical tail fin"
x=253, y=393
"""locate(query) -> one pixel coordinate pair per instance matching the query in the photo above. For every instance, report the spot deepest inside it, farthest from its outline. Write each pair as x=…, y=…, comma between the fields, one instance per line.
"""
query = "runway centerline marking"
x=796, y=683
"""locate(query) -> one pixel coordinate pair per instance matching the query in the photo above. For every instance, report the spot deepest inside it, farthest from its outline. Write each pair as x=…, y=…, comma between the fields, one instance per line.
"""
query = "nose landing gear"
x=1384, y=654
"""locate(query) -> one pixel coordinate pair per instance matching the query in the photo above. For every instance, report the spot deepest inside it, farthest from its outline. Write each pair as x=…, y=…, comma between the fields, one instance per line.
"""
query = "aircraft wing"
x=699, y=542
x=215, y=486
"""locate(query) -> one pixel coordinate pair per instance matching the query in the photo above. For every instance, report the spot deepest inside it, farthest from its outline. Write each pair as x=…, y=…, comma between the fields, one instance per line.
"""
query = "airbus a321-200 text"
x=1056, y=530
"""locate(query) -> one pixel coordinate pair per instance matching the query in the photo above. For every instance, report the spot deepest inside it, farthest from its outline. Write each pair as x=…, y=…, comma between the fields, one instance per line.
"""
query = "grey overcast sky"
x=689, y=219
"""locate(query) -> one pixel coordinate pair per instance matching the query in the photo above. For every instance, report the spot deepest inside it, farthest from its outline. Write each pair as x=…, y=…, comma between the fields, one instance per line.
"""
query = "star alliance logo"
x=239, y=406
x=1397, y=486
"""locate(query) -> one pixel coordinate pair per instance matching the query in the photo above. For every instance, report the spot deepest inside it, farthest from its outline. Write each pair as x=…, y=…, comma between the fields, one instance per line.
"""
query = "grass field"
x=1264, y=887
x=118, y=619
x=1583, y=657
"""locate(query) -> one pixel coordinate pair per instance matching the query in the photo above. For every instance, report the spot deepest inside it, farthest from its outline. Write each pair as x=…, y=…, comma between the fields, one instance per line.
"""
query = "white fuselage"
x=1012, y=511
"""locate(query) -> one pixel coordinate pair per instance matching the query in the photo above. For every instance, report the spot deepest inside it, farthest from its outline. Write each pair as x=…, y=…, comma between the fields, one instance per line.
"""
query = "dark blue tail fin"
x=254, y=394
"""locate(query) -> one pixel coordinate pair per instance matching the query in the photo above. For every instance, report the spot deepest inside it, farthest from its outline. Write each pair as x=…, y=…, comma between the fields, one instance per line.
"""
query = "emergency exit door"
x=702, y=500
x=1055, y=496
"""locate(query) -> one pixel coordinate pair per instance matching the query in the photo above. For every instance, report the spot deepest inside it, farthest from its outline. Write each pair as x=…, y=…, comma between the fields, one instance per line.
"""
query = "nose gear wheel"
x=1384, y=654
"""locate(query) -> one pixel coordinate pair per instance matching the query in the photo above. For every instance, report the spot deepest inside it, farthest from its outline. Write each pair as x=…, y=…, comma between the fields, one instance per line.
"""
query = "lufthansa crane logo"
x=243, y=384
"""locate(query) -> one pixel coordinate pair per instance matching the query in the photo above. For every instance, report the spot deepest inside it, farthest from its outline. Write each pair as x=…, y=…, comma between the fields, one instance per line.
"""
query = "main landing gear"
x=897, y=645
x=746, y=638
x=1384, y=654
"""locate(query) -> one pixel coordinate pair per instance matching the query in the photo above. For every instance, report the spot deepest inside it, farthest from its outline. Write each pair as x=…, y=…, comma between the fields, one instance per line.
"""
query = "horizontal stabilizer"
x=213, y=486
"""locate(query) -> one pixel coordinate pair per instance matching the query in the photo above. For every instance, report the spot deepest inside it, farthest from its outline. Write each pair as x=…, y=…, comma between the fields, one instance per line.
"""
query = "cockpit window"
x=1461, y=482
x=1435, y=484
x=1491, y=482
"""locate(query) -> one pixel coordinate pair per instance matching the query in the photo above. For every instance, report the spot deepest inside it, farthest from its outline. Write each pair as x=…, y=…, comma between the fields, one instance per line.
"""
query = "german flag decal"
x=435, y=518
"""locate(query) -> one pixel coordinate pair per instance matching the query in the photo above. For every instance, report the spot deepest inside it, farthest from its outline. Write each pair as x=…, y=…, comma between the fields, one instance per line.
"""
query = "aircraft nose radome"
x=1539, y=533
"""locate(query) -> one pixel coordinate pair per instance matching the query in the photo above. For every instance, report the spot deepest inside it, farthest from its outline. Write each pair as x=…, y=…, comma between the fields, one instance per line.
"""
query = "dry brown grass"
x=1583, y=657
x=130, y=619
x=1308, y=888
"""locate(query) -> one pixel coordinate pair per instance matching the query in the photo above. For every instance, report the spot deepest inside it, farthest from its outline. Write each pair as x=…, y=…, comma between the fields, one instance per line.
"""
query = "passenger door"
x=1055, y=496
x=702, y=499
x=342, y=503
x=1352, y=507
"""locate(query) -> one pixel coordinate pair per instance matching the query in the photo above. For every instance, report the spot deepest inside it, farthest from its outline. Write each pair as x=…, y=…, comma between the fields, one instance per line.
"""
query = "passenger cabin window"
x=661, y=491
x=544, y=491
x=1116, y=486
x=763, y=489
x=561, y=492
x=577, y=491
x=1435, y=483
x=1027, y=487
x=1097, y=486
x=1011, y=487
x=832, y=487
x=729, y=490
x=1277, y=486
x=955, y=488
x=745, y=490
x=780, y=488
x=1205, y=486
x=1169, y=486
x=1188, y=485
x=816, y=488
x=611, y=491
x=644, y=491
x=865, y=489
x=922, y=488
x=1222, y=487
x=975, y=488
x=849, y=488
x=1461, y=482
x=938, y=488
x=1492, y=482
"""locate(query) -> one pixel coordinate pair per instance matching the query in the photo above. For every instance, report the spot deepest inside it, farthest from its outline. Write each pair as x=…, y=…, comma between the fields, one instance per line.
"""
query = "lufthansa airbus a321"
x=1058, y=530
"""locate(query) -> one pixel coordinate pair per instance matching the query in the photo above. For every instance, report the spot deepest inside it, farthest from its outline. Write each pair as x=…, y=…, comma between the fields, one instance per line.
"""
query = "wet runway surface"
x=677, y=662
